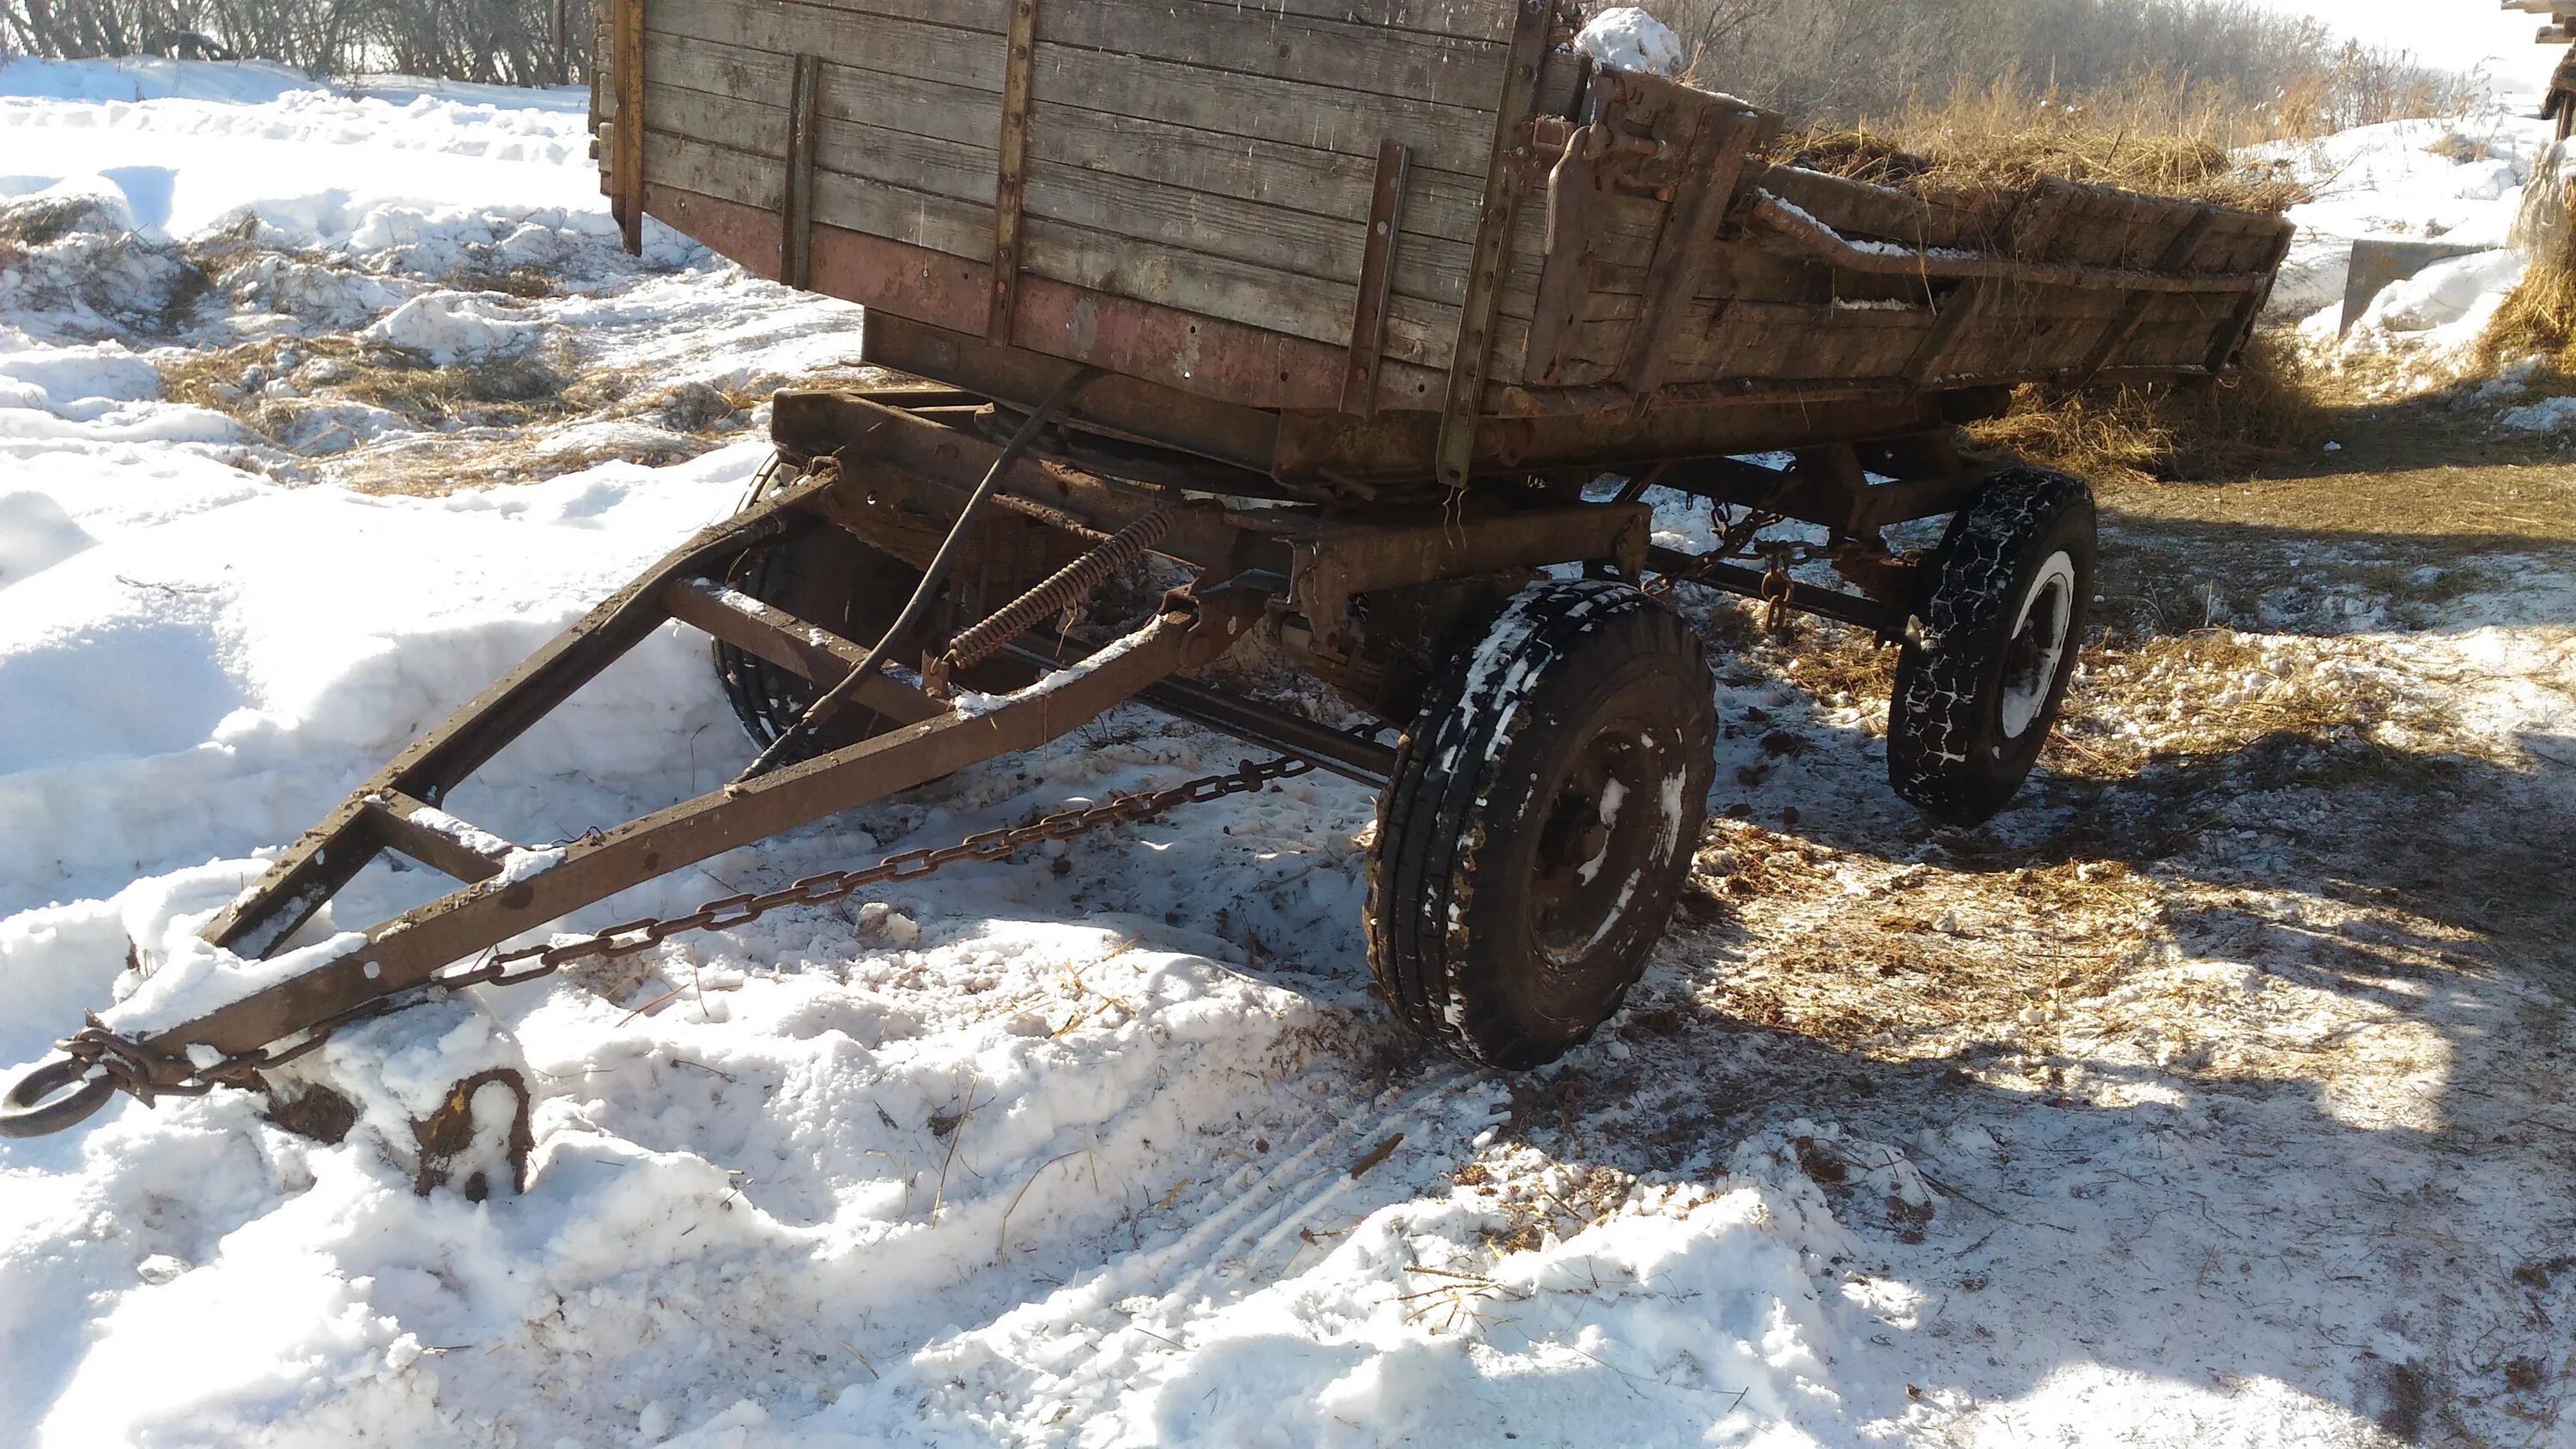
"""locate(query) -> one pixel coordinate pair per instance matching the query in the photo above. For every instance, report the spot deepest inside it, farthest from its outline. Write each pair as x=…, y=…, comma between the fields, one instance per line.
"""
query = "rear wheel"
x=825, y=576
x=1543, y=811
x=1977, y=694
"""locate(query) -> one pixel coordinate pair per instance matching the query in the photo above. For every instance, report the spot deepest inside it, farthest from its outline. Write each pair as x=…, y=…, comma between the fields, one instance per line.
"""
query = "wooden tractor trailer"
x=1375, y=320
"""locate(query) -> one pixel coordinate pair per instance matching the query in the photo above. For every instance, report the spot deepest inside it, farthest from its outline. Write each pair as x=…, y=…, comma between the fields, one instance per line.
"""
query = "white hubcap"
x=2038, y=643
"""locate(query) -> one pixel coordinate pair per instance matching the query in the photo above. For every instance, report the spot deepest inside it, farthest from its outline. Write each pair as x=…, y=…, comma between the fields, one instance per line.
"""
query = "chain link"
x=131, y=1064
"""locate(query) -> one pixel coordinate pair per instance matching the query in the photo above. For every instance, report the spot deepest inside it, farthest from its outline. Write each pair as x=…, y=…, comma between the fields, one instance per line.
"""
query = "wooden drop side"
x=1348, y=207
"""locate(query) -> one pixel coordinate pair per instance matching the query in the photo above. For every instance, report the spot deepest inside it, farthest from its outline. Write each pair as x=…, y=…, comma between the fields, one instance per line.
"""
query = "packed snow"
x=1112, y=1145
x=1628, y=38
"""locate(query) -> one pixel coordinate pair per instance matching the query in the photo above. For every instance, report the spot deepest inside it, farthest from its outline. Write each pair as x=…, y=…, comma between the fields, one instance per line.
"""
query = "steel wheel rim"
x=1606, y=827
x=2038, y=644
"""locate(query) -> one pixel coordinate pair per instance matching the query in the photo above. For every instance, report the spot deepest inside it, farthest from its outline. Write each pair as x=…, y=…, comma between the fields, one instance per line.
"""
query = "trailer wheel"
x=1544, y=808
x=1978, y=693
x=827, y=577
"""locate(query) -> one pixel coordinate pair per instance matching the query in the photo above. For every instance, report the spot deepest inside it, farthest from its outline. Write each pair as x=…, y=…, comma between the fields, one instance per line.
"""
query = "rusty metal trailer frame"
x=900, y=452
x=1071, y=427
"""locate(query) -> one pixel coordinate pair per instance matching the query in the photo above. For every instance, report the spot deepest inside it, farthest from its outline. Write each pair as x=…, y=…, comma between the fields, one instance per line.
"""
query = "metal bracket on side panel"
x=1377, y=278
x=1473, y=353
x=796, y=211
x=626, y=168
x=1010, y=184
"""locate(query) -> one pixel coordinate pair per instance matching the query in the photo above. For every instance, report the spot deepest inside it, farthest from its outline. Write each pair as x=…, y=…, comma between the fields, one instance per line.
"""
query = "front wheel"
x=1543, y=812
x=1977, y=694
x=829, y=579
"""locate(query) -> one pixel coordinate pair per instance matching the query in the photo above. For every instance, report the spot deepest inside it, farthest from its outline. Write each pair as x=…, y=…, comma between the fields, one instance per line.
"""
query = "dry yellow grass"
x=2159, y=137
x=2539, y=316
x=2273, y=406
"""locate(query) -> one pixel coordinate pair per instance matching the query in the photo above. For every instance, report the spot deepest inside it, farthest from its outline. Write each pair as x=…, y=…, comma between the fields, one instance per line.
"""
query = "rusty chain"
x=130, y=1064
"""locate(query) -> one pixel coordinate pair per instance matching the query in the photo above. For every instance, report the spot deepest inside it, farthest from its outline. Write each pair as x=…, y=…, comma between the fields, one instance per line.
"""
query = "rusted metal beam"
x=1010, y=176
x=917, y=468
x=796, y=213
x=806, y=650
x=1333, y=564
x=328, y=855
x=1377, y=277
x=435, y=838
x=1473, y=351
x=1885, y=619
x=626, y=169
x=410, y=950
x=1351, y=756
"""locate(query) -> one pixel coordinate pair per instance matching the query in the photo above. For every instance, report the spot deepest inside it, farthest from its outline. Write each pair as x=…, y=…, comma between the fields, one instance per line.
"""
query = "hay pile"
x=2538, y=317
x=2195, y=432
x=1978, y=146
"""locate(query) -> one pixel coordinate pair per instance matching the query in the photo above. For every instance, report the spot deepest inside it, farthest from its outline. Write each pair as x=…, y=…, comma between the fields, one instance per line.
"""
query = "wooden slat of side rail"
x=1446, y=138
x=900, y=113
x=1204, y=356
x=1284, y=238
x=958, y=55
x=1259, y=107
x=1311, y=308
x=1331, y=55
x=1469, y=19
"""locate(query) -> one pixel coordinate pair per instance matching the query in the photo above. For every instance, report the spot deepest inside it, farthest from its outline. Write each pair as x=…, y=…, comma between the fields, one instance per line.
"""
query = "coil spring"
x=1060, y=591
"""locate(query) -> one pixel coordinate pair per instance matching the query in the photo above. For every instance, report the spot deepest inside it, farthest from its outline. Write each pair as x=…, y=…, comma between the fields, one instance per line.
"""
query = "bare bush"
x=510, y=42
x=1843, y=62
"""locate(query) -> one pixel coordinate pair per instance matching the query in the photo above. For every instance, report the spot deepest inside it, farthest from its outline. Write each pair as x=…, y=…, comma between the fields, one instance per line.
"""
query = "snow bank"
x=2403, y=180
x=1631, y=39
x=151, y=78
x=450, y=327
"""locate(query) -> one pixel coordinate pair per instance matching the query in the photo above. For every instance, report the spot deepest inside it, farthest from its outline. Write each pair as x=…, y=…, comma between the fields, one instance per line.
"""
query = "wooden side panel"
x=1206, y=155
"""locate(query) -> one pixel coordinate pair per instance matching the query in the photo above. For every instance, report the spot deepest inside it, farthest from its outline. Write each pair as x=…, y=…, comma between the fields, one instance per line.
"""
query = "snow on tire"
x=1543, y=811
x=1977, y=693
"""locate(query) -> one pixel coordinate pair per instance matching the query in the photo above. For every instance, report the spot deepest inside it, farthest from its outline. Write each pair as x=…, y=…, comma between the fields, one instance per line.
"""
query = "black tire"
x=825, y=576
x=1512, y=902
x=1977, y=694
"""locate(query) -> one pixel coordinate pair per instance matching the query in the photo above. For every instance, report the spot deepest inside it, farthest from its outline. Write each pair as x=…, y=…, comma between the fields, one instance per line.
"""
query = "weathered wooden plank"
x=845, y=148
x=1308, y=307
x=1716, y=157
x=1441, y=204
x=1266, y=108
x=1203, y=356
x=939, y=223
x=1260, y=107
x=1218, y=287
x=1437, y=204
x=896, y=105
x=1428, y=268
x=890, y=44
x=1467, y=19
x=1857, y=208
x=1333, y=55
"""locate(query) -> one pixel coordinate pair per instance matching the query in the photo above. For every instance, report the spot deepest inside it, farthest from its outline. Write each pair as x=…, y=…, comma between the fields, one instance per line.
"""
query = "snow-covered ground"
x=2177, y=1107
x=2456, y=183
